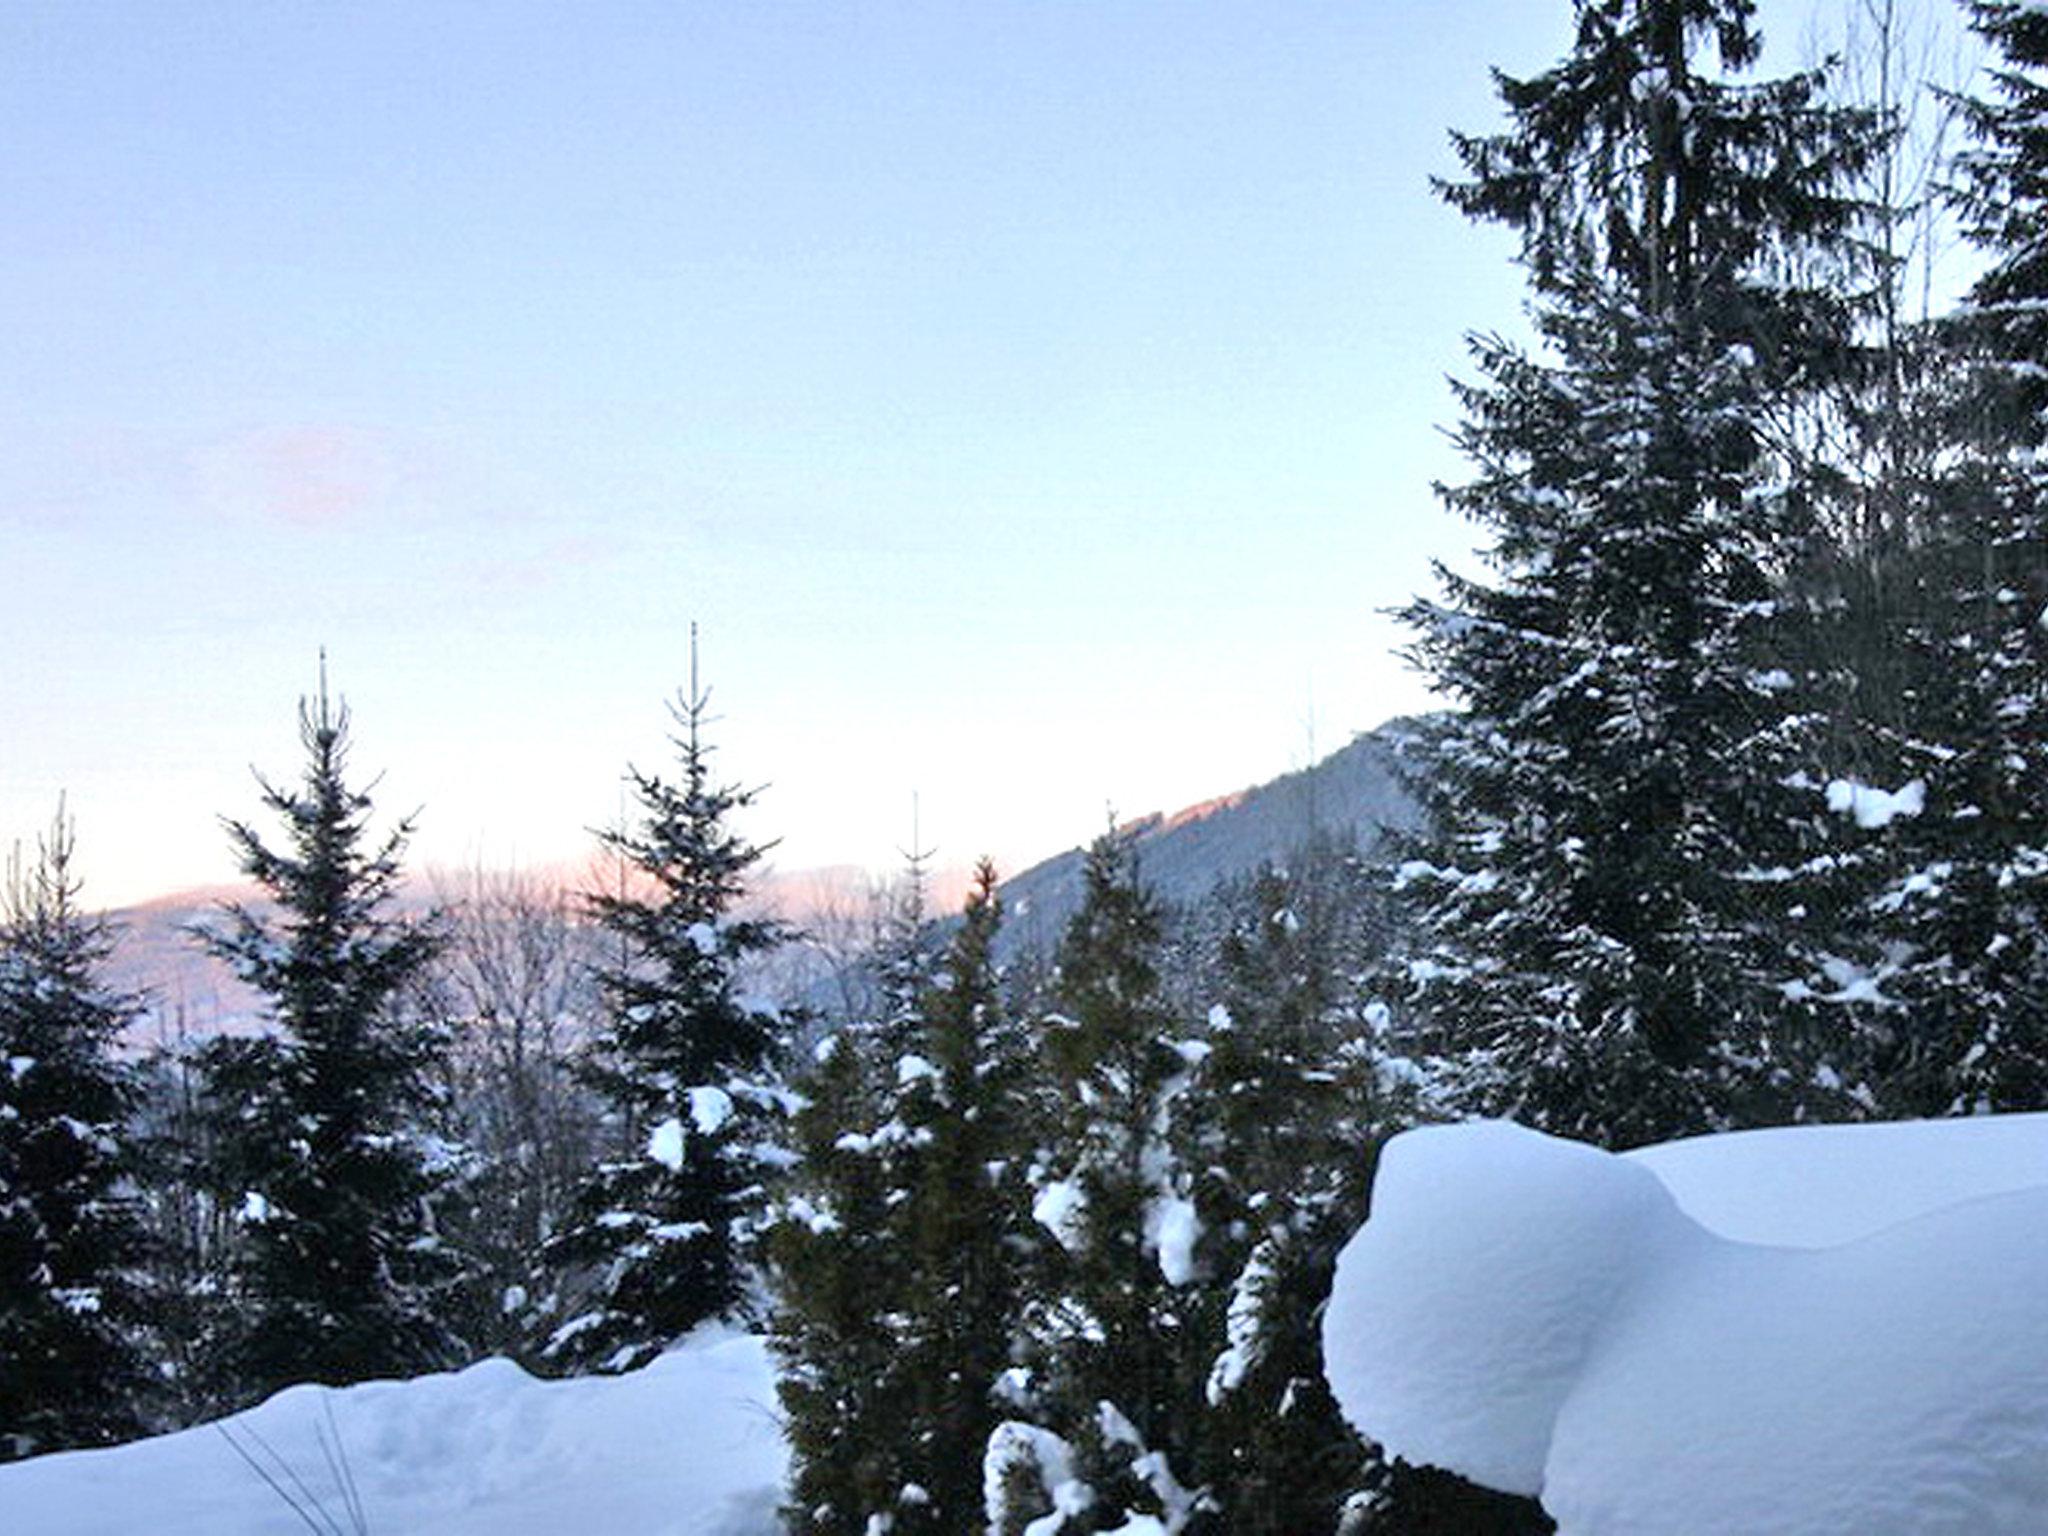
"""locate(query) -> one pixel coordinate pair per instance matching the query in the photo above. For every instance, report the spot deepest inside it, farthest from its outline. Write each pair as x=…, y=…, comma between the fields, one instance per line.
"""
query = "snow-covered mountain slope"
x=157, y=959
x=1354, y=792
x=1548, y=1319
x=688, y=1447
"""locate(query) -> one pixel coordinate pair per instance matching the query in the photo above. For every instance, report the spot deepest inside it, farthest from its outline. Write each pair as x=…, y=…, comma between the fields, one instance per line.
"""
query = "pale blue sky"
x=1036, y=404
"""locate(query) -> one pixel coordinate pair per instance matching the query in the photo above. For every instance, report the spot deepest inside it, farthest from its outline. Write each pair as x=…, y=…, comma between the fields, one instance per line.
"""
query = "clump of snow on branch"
x=1172, y=1228
x=710, y=1109
x=1241, y=1327
x=1873, y=809
x=1020, y=1452
x=665, y=1143
x=1058, y=1209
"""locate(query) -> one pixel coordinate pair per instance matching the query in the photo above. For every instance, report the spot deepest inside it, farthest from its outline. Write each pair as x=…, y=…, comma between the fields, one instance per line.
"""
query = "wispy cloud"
x=533, y=566
x=304, y=476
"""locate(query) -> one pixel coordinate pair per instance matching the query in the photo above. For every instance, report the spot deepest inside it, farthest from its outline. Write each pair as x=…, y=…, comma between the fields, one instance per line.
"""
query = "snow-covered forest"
x=1735, y=816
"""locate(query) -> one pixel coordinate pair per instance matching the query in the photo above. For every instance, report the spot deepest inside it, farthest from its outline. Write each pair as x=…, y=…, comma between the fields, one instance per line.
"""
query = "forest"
x=1736, y=815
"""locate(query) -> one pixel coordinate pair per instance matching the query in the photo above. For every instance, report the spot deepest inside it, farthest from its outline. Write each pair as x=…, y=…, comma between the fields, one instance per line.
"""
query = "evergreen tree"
x=1111, y=1334
x=328, y=1122
x=2002, y=194
x=969, y=1215
x=1404, y=1500
x=840, y=1244
x=1954, y=840
x=684, y=1064
x=70, y=1238
x=836, y=1251
x=899, y=1249
x=1596, y=898
x=1276, y=1127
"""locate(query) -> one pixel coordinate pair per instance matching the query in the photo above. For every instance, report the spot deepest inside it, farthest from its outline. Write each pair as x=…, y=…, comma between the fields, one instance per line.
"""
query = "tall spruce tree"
x=1596, y=897
x=837, y=1256
x=1112, y=1327
x=840, y=1246
x=1956, y=843
x=329, y=1121
x=963, y=1102
x=686, y=1064
x=70, y=1239
x=898, y=1250
x=1277, y=1125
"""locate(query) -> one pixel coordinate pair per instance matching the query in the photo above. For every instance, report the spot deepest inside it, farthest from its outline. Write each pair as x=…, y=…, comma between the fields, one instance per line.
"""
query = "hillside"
x=1354, y=792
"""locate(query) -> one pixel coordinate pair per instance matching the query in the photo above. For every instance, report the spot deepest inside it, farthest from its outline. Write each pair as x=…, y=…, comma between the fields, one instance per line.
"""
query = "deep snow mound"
x=1546, y=1318
x=1813, y=1186
x=690, y=1446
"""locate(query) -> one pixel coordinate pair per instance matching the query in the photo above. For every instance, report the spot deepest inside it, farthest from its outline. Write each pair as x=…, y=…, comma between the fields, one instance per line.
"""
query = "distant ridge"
x=182, y=987
x=1356, y=792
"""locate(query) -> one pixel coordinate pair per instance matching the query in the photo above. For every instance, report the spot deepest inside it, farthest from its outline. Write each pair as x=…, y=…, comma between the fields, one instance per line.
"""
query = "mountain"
x=1356, y=792
x=183, y=989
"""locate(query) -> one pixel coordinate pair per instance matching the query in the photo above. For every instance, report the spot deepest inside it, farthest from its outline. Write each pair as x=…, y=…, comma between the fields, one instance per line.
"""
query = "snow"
x=1613, y=1335
x=891, y=1133
x=710, y=1108
x=1058, y=1209
x=813, y=1216
x=1172, y=1227
x=1151, y=1468
x=1421, y=1352
x=1241, y=1325
x=1817, y=1186
x=665, y=1144
x=1016, y=1446
x=1876, y=808
x=686, y=1447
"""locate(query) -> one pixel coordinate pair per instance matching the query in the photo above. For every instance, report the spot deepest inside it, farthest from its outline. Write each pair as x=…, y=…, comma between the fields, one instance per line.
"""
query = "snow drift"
x=687, y=1447
x=1548, y=1319
x=1816, y=1186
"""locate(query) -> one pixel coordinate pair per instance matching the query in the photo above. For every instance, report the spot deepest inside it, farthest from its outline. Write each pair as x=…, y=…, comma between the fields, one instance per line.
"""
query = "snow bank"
x=1816, y=1186
x=1468, y=1306
x=1548, y=1319
x=687, y=1447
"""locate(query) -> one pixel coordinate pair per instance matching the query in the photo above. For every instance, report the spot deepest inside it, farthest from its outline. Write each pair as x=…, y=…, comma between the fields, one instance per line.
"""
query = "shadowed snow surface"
x=687, y=1447
x=1547, y=1319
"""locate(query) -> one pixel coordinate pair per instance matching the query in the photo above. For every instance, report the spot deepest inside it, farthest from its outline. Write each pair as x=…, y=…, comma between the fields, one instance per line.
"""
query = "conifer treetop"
x=331, y=954
x=1632, y=159
x=70, y=1375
